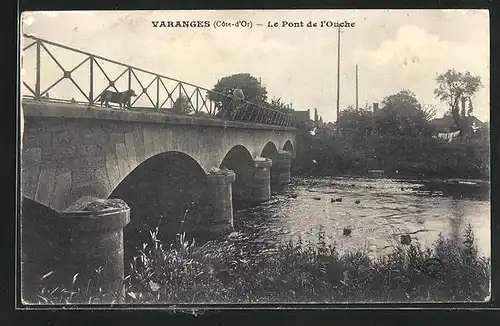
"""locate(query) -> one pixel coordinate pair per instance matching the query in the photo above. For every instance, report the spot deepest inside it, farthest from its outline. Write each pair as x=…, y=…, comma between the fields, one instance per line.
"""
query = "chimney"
x=375, y=107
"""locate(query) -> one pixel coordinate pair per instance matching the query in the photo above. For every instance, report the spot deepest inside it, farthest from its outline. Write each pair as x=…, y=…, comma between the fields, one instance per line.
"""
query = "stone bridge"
x=158, y=164
x=176, y=173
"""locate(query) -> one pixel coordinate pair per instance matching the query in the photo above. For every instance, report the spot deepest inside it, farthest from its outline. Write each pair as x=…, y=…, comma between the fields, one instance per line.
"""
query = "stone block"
x=148, y=143
x=61, y=191
x=112, y=165
x=95, y=136
x=45, y=139
x=139, y=144
x=62, y=137
x=86, y=162
x=122, y=159
x=30, y=170
x=29, y=140
x=116, y=137
x=131, y=152
x=157, y=142
x=46, y=183
x=101, y=176
x=86, y=183
x=89, y=150
x=82, y=177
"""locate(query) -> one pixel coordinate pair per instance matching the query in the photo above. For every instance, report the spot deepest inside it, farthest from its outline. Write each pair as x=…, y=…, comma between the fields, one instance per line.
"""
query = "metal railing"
x=189, y=97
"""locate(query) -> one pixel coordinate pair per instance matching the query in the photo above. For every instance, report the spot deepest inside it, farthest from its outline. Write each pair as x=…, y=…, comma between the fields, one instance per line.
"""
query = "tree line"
x=400, y=136
x=402, y=115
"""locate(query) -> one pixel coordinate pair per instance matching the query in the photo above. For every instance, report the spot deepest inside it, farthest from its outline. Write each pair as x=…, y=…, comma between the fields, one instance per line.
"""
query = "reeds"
x=295, y=272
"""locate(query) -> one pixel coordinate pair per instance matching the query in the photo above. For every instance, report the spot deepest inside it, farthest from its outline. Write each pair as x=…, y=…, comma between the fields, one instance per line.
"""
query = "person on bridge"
x=238, y=102
x=238, y=93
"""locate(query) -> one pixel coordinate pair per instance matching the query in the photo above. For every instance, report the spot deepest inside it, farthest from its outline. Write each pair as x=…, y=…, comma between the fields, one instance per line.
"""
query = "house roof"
x=447, y=122
x=444, y=122
x=301, y=116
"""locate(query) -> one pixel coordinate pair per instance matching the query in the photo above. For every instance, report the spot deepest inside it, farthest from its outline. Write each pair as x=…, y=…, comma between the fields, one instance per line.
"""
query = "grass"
x=452, y=270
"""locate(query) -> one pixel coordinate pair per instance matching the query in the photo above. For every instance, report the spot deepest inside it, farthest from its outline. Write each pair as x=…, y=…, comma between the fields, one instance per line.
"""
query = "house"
x=301, y=117
x=447, y=128
x=448, y=124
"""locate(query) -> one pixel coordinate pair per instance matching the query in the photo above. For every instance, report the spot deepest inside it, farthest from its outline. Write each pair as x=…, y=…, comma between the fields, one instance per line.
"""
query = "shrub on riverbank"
x=412, y=157
x=295, y=272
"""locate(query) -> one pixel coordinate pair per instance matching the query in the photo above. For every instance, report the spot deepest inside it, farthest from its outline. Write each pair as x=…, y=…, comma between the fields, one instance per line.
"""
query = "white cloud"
x=28, y=20
x=414, y=57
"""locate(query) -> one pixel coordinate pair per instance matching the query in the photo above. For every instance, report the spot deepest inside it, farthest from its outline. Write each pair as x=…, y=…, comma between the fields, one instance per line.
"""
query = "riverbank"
x=452, y=270
x=398, y=157
x=448, y=187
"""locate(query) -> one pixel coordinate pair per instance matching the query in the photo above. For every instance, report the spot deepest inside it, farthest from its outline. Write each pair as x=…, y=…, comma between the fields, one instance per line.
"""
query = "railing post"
x=258, y=117
x=129, y=86
x=158, y=92
x=37, y=85
x=197, y=105
x=91, y=89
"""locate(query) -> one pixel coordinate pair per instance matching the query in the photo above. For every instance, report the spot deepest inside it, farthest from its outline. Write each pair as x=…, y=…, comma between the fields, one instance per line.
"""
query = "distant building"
x=448, y=124
x=302, y=116
x=471, y=126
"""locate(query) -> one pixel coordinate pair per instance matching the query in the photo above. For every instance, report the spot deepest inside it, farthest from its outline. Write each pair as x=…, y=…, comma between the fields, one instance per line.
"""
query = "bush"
x=412, y=157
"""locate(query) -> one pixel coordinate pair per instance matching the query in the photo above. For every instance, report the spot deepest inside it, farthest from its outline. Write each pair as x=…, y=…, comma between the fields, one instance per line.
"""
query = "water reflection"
x=377, y=211
x=457, y=220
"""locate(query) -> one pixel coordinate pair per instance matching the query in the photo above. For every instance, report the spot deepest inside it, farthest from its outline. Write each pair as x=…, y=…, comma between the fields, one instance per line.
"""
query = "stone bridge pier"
x=283, y=167
x=257, y=189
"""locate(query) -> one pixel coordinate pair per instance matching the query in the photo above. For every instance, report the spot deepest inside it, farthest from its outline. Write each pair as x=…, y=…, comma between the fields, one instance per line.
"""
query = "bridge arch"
x=270, y=151
x=239, y=159
x=165, y=191
x=288, y=146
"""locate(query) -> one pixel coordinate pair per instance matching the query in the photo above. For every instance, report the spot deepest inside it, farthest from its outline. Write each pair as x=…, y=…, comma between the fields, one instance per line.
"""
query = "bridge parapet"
x=33, y=108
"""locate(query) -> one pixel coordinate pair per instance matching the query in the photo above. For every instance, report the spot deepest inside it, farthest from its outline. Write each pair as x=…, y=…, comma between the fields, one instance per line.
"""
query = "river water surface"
x=387, y=208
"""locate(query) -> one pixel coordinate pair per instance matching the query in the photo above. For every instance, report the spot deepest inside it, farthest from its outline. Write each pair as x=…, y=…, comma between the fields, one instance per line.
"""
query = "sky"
x=394, y=50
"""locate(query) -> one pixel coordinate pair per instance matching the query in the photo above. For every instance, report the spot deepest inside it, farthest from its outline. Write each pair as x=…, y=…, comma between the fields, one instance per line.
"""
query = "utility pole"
x=338, y=75
x=356, y=87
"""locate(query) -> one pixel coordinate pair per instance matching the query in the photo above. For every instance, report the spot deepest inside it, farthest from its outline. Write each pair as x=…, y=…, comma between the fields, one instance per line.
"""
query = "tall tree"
x=402, y=114
x=182, y=106
x=251, y=87
x=315, y=115
x=279, y=105
x=356, y=123
x=456, y=89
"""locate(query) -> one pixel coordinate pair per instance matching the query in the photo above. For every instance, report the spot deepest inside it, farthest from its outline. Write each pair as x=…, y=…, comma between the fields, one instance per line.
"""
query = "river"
x=386, y=209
